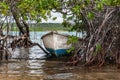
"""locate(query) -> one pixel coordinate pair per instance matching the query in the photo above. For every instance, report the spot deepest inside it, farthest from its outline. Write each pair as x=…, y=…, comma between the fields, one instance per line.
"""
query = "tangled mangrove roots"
x=21, y=41
x=102, y=43
x=4, y=52
x=24, y=41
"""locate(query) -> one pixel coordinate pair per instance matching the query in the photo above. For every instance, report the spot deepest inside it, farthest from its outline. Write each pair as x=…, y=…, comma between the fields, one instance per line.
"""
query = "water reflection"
x=28, y=53
x=21, y=53
x=53, y=70
x=31, y=64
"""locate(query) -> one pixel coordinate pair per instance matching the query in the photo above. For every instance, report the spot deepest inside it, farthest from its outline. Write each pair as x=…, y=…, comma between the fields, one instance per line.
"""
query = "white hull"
x=55, y=41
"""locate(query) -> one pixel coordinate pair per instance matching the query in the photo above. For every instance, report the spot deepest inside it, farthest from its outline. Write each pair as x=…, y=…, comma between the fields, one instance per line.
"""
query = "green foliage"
x=35, y=9
x=76, y=9
x=99, y=6
x=72, y=40
x=30, y=9
x=111, y=2
x=41, y=9
x=100, y=3
x=3, y=8
x=90, y=15
x=87, y=7
x=87, y=2
x=54, y=18
x=98, y=47
x=71, y=49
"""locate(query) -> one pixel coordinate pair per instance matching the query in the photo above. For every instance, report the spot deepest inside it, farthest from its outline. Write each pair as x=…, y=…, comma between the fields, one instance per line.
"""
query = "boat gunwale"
x=54, y=33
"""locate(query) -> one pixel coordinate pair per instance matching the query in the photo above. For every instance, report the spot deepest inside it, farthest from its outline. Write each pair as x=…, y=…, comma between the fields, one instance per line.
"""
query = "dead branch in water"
x=36, y=44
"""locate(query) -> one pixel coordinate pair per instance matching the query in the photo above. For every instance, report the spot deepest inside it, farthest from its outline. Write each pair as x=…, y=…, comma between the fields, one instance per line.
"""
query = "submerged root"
x=102, y=43
x=24, y=41
x=74, y=61
x=21, y=41
x=4, y=52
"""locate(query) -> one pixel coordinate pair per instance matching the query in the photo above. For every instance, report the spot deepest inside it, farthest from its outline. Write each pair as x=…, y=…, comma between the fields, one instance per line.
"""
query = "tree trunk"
x=21, y=24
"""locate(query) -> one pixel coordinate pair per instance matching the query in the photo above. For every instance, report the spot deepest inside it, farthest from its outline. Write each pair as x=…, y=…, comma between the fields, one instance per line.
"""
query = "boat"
x=56, y=43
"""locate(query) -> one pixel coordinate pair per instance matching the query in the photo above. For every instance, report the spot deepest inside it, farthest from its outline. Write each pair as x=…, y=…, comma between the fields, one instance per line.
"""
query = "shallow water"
x=31, y=64
x=16, y=69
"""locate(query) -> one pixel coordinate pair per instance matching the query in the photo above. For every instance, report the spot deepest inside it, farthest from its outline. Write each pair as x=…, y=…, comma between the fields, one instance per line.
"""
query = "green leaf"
x=25, y=17
x=64, y=23
x=71, y=49
x=48, y=12
x=64, y=16
x=97, y=49
x=87, y=2
x=70, y=18
x=39, y=20
x=72, y=39
x=54, y=18
x=90, y=15
x=99, y=6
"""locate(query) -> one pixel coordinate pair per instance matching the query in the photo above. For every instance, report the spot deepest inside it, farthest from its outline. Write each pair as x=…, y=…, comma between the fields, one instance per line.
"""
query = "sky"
x=50, y=20
x=58, y=20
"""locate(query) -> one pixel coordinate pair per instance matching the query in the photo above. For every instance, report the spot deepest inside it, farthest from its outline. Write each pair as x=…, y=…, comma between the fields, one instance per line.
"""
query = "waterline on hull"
x=58, y=52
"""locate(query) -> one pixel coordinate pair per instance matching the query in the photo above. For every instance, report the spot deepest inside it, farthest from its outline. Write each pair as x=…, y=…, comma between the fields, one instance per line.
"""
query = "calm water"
x=31, y=64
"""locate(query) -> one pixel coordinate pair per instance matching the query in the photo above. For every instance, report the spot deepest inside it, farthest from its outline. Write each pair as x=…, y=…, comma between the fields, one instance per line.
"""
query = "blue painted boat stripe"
x=58, y=52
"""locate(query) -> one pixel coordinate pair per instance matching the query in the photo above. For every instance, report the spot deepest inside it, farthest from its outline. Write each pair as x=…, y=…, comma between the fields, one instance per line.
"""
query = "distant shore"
x=42, y=27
